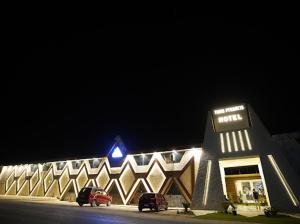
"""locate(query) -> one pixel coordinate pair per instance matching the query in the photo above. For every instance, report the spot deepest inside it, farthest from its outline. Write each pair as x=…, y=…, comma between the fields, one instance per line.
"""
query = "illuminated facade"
x=151, y=172
x=238, y=155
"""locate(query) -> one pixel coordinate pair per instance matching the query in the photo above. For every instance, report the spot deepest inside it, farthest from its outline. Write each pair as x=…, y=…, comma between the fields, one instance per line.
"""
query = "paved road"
x=15, y=211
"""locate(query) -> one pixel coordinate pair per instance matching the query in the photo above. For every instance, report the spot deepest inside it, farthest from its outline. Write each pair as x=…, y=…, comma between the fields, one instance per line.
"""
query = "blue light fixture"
x=117, y=153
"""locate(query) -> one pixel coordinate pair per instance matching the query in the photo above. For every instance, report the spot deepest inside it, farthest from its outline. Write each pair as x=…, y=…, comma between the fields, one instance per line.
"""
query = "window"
x=60, y=165
x=142, y=159
x=46, y=166
x=33, y=168
x=172, y=157
x=241, y=170
x=94, y=163
x=76, y=164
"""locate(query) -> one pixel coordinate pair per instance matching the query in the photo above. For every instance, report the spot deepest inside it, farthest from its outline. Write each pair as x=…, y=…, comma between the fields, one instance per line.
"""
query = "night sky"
x=73, y=84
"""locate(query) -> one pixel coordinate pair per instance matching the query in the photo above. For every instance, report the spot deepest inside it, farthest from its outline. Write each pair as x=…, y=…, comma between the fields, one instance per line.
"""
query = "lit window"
x=60, y=165
x=94, y=163
x=172, y=157
x=46, y=166
x=76, y=164
x=143, y=159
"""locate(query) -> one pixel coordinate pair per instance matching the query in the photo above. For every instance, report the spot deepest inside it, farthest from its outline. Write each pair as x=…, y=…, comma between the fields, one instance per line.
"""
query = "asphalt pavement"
x=22, y=211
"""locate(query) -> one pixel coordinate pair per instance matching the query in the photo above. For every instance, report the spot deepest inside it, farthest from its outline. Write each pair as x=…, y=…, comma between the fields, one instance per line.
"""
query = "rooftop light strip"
x=234, y=141
x=169, y=151
x=222, y=143
x=284, y=181
x=248, y=140
x=241, y=141
x=228, y=142
x=207, y=180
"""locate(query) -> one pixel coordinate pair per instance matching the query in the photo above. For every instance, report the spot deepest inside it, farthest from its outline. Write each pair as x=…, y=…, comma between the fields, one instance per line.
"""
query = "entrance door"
x=240, y=177
x=244, y=191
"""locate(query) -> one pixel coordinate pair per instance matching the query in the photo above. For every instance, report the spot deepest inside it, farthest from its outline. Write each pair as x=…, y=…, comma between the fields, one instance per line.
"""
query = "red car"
x=93, y=196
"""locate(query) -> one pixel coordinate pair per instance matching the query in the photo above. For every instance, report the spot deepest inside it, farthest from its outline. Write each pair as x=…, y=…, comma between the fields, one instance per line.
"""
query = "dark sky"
x=73, y=85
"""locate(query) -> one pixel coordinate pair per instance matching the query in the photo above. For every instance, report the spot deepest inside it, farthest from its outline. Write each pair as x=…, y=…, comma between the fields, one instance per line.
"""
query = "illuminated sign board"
x=230, y=118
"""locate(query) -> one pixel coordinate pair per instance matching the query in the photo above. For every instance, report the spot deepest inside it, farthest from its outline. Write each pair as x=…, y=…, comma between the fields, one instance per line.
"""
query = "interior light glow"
x=117, y=153
x=143, y=158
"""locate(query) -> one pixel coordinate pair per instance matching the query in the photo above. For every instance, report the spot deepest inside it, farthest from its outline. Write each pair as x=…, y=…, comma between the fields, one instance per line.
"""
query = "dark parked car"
x=93, y=196
x=153, y=201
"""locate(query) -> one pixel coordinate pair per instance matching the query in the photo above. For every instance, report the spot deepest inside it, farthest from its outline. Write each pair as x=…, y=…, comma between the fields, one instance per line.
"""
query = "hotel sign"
x=230, y=118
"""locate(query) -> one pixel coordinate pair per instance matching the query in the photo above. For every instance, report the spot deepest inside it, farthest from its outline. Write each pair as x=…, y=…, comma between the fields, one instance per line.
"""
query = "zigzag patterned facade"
x=55, y=179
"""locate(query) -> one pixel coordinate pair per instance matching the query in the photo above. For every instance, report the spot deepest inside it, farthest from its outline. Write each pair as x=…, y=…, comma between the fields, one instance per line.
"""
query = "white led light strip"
x=67, y=187
x=222, y=143
x=10, y=176
x=283, y=181
x=133, y=189
x=228, y=142
x=31, y=179
x=248, y=140
x=90, y=181
x=45, y=180
x=207, y=180
x=241, y=141
x=61, y=177
x=234, y=141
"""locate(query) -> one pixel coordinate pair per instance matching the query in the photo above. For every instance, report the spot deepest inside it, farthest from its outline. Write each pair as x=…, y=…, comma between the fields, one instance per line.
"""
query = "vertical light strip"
x=241, y=141
x=10, y=187
x=207, y=180
x=6, y=185
x=222, y=143
x=76, y=191
x=283, y=181
x=248, y=140
x=228, y=142
x=234, y=141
